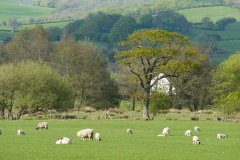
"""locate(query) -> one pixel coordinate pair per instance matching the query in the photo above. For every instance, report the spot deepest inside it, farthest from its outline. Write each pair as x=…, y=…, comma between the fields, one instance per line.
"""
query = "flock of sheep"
x=195, y=139
x=88, y=133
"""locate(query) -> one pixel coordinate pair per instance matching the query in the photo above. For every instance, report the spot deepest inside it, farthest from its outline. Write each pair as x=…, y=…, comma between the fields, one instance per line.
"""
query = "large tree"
x=85, y=69
x=226, y=86
x=151, y=52
x=30, y=86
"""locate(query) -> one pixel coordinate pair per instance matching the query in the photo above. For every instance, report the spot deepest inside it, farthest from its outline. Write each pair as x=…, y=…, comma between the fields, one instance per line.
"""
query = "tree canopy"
x=148, y=53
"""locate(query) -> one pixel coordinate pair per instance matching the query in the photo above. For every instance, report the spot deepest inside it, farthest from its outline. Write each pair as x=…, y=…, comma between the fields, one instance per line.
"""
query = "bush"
x=195, y=118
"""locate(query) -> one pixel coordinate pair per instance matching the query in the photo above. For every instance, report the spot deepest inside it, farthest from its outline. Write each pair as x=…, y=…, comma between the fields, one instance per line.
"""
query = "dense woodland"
x=61, y=69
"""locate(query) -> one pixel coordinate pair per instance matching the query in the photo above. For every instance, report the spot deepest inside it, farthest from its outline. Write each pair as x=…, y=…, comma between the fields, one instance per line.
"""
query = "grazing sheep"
x=165, y=132
x=196, y=129
x=0, y=131
x=221, y=136
x=129, y=131
x=188, y=133
x=20, y=132
x=64, y=140
x=196, y=140
x=42, y=125
x=97, y=137
x=85, y=133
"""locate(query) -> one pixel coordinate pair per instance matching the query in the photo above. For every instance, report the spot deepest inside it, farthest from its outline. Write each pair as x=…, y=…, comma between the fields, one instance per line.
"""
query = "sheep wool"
x=42, y=125
x=85, y=133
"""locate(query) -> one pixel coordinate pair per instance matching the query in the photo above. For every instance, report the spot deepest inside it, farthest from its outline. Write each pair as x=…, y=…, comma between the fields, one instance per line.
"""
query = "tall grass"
x=116, y=144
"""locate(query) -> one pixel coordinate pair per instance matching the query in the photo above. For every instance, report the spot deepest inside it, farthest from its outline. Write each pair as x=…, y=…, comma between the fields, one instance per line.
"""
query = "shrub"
x=88, y=109
x=194, y=118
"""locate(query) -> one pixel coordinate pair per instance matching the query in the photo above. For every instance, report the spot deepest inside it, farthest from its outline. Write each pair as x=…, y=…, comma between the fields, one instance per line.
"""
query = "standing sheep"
x=221, y=136
x=64, y=140
x=85, y=133
x=129, y=131
x=188, y=133
x=97, y=137
x=20, y=132
x=196, y=129
x=196, y=140
x=42, y=125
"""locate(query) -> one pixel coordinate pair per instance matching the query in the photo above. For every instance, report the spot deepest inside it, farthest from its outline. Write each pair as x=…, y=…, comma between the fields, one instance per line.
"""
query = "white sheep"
x=97, y=137
x=196, y=129
x=20, y=132
x=129, y=131
x=196, y=140
x=85, y=133
x=64, y=140
x=165, y=132
x=188, y=133
x=221, y=136
x=42, y=125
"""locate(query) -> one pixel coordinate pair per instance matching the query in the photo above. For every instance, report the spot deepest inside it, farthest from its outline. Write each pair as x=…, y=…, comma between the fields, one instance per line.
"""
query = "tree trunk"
x=134, y=103
x=145, y=112
x=2, y=113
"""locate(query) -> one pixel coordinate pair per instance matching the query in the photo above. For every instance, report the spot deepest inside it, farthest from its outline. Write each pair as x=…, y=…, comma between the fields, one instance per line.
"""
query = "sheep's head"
x=36, y=128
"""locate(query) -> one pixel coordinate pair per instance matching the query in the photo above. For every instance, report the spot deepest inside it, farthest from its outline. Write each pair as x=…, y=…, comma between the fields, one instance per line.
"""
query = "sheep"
x=196, y=129
x=221, y=136
x=64, y=140
x=20, y=132
x=129, y=131
x=165, y=132
x=42, y=125
x=97, y=137
x=188, y=133
x=196, y=140
x=84, y=133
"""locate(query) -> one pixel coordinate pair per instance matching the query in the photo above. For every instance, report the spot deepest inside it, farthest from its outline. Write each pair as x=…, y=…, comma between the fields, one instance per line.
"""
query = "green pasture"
x=214, y=13
x=9, y=8
x=144, y=144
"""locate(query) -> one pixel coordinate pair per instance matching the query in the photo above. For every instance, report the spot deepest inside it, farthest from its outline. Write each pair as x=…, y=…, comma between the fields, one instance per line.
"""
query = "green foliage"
x=31, y=86
x=122, y=28
x=159, y=101
x=226, y=85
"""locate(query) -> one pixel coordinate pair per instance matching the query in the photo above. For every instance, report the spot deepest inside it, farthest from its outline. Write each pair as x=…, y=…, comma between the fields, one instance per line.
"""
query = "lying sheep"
x=20, y=132
x=129, y=131
x=165, y=132
x=42, y=125
x=97, y=137
x=221, y=136
x=188, y=133
x=196, y=129
x=196, y=140
x=85, y=133
x=64, y=140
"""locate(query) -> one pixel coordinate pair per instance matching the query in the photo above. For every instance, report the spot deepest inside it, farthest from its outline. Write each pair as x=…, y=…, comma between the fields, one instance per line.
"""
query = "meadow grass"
x=116, y=144
x=215, y=13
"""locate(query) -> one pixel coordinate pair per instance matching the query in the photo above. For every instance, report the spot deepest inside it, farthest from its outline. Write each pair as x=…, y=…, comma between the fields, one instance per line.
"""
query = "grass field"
x=214, y=13
x=116, y=144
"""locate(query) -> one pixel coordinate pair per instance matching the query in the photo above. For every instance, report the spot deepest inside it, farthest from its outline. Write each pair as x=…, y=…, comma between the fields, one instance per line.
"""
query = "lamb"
x=20, y=132
x=188, y=133
x=42, y=125
x=129, y=131
x=165, y=132
x=196, y=129
x=85, y=133
x=97, y=137
x=221, y=136
x=64, y=140
x=196, y=140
